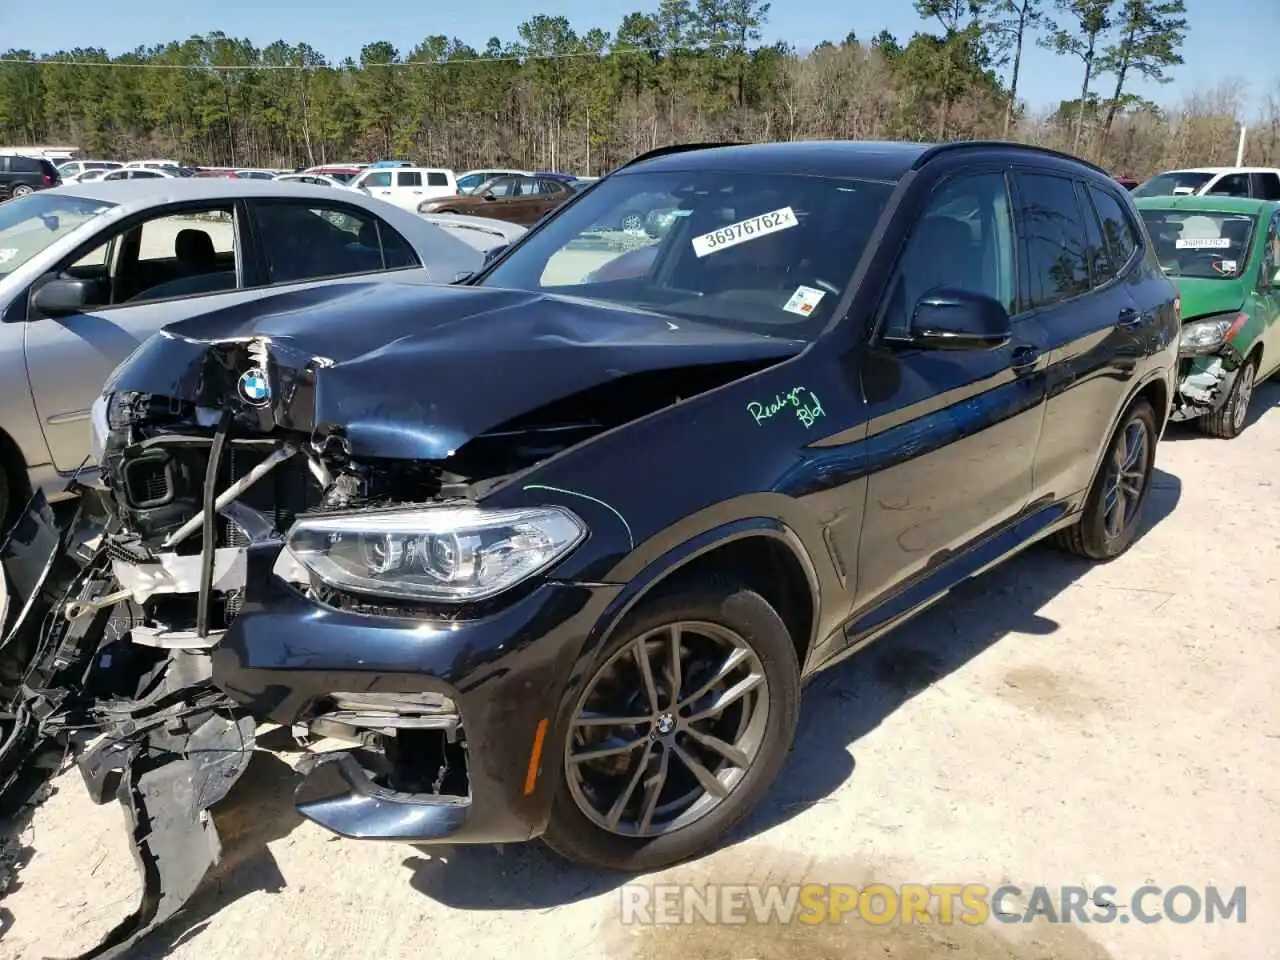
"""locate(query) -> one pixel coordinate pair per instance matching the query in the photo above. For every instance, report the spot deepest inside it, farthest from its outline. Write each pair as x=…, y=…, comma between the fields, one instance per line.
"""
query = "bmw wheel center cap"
x=254, y=388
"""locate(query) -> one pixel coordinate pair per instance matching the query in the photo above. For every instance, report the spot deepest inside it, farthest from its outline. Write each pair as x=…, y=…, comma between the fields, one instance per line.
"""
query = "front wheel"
x=679, y=730
x=1229, y=421
x=1113, y=509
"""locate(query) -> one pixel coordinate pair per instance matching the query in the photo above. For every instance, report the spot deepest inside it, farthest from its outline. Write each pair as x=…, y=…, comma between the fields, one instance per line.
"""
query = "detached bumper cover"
x=1204, y=385
x=285, y=653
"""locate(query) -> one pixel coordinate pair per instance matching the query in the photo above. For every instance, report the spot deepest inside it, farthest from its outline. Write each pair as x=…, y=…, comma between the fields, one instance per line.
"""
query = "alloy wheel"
x=667, y=728
x=1243, y=394
x=633, y=223
x=1126, y=478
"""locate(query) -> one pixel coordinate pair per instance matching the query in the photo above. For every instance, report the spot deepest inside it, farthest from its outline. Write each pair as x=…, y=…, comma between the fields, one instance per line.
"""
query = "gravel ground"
x=1053, y=723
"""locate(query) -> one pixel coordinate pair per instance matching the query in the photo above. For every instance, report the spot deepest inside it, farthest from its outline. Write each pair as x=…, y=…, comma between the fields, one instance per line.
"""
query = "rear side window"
x=1231, y=185
x=1057, y=265
x=409, y=179
x=26, y=165
x=1117, y=228
x=437, y=179
x=1268, y=186
x=305, y=241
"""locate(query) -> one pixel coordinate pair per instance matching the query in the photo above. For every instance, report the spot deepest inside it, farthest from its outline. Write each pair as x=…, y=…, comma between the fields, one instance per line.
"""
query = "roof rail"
x=673, y=148
x=1005, y=144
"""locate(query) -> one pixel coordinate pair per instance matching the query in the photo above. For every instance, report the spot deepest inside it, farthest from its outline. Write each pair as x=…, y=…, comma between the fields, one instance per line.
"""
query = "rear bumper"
x=508, y=674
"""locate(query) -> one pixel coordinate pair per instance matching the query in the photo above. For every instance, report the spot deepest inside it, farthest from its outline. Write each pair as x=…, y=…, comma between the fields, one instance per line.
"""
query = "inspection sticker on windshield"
x=804, y=301
x=744, y=230
x=1204, y=243
x=7, y=254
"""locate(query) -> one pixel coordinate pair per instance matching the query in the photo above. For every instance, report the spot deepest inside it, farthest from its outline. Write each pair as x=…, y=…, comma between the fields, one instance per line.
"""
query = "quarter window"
x=1057, y=254
x=963, y=240
x=1117, y=229
x=312, y=242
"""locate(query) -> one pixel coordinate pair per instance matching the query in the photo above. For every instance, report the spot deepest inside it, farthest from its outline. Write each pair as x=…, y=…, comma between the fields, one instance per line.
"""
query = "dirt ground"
x=1054, y=723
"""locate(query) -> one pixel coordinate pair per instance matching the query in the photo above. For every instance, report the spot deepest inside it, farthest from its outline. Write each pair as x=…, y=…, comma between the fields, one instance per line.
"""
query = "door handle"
x=1129, y=317
x=1023, y=358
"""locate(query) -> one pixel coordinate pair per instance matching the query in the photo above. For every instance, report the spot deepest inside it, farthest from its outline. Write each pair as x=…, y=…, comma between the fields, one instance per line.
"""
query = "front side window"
x=31, y=224
x=765, y=252
x=1174, y=183
x=181, y=255
x=1269, y=273
x=381, y=179
x=963, y=240
x=306, y=241
x=1057, y=247
x=1211, y=246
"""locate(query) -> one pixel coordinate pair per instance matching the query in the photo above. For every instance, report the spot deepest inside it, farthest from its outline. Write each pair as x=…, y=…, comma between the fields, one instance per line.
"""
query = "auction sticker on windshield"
x=7, y=254
x=1204, y=243
x=744, y=230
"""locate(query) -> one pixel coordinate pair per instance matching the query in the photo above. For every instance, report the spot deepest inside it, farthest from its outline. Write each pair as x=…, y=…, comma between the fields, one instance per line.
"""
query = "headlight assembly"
x=451, y=554
x=1206, y=336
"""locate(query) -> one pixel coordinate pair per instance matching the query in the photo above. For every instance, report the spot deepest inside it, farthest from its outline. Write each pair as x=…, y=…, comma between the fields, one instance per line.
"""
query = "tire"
x=722, y=605
x=21, y=190
x=1228, y=422
x=1089, y=537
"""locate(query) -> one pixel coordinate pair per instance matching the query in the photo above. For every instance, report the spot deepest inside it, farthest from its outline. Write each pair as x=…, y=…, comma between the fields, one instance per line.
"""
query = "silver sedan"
x=89, y=271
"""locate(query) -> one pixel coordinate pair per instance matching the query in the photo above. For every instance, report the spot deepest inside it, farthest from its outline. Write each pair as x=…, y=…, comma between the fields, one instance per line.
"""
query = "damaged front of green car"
x=1223, y=254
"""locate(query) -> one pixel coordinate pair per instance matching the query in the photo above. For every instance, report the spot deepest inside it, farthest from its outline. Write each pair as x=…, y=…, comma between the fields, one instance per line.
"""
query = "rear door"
x=1079, y=273
x=407, y=192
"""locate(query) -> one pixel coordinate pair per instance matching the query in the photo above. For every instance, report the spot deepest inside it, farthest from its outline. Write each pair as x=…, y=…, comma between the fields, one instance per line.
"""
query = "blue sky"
x=1219, y=44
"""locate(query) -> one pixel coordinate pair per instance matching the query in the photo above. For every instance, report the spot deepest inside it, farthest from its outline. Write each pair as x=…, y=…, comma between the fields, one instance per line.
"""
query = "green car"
x=1224, y=255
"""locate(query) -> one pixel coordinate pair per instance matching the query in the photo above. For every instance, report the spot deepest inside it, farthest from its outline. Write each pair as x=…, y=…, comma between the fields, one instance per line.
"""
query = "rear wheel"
x=1113, y=509
x=22, y=190
x=679, y=731
x=1229, y=421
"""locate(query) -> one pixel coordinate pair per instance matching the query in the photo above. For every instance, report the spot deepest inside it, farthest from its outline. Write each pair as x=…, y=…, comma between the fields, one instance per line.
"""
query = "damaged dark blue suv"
x=554, y=549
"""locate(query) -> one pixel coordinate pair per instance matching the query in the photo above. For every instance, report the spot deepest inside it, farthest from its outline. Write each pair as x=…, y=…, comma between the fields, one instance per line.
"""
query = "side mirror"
x=64, y=296
x=496, y=252
x=488, y=196
x=947, y=319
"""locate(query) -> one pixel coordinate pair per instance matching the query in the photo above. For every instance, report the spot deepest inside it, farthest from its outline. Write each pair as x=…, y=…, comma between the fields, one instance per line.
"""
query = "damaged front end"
x=147, y=728
x=213, y=594
x=1208, y=360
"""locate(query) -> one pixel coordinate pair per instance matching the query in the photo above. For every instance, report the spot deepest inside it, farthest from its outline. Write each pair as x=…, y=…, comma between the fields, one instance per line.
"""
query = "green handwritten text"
x=807, y=409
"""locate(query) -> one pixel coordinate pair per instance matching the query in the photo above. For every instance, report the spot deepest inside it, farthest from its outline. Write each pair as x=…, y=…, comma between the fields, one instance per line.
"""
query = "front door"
x=149, y=274
x=1268, y=298
x=952, y=434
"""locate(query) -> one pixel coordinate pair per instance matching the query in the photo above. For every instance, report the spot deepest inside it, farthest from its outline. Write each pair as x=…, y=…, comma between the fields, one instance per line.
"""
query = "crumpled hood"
x=1201, y=297
x=414, y=370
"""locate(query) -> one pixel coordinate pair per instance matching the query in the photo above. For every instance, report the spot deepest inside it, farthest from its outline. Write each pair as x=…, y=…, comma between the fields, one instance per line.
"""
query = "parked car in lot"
x=470, y=181
x=520, y=199
x=1224, y=255
x=860, y=375
x=1260, y=182
x=406, y=187
x=22, y=176
x=89, y=272
x=343, y=173
x=140, y=173
x=315, y=179
x=77, y=168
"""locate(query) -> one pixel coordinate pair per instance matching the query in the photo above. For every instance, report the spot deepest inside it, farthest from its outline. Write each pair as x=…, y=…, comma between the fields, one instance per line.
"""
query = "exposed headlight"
x=1206, y=336
x=457, y=554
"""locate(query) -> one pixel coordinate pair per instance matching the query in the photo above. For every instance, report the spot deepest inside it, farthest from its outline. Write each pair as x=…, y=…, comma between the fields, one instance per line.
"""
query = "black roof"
x=869, y=159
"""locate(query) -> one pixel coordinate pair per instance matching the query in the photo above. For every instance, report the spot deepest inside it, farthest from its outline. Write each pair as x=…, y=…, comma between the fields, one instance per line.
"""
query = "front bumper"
x=1204, y=383
x=506, y=672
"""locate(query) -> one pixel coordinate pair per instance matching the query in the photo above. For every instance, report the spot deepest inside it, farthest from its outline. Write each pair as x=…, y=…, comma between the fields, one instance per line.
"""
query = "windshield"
x=1169, y=184
x=769, y=253
x=30, y=224
x=1213, y=246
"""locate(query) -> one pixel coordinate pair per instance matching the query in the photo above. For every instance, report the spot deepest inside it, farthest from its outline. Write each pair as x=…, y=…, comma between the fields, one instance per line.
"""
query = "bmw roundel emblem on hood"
x=254, y=387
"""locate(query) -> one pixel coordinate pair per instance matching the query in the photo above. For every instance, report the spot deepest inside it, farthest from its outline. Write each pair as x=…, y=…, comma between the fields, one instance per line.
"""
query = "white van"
x=406, y=187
